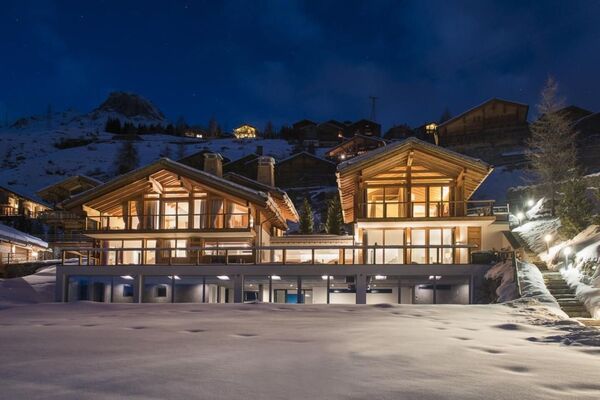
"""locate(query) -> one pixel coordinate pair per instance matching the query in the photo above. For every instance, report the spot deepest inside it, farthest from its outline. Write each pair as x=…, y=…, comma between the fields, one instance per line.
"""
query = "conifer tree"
x=127, y=158
x=333, y=224
x=575, y=208
x=552, y=150
x=307, y=223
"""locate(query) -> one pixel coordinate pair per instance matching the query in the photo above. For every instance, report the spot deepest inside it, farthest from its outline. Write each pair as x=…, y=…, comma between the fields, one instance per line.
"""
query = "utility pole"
x=373, y=101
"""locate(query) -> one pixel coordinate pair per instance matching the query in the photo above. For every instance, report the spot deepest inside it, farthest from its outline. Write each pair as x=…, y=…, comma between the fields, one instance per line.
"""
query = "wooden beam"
x=411, y=155
x=186, y=184
x=156, y=186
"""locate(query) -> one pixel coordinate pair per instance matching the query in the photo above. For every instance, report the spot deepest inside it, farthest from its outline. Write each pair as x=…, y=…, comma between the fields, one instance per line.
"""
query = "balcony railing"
x=427, y=209
x=204, y=221
x=10, y=211
x=277, y=255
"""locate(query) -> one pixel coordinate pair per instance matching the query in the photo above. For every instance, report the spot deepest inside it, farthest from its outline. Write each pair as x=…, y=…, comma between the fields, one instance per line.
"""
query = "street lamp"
x=567, y=251
x=520, y=217
x=530, y=203
x=548, y=239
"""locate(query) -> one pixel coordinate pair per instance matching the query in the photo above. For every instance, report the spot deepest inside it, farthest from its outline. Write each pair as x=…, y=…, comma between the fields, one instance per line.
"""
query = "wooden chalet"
x=67, y=188
x=196, y=160
x=15, y=204
x=19, y=247
x=170, y=205
x=304, y=170
x=357, y=145
x=494, y=122
x=399, y=132
x=416, y=174
x=245, y=132
x=363, y=127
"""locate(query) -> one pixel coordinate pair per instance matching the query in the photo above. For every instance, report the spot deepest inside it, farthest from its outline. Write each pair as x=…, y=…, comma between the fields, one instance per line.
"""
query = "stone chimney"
x=266, y=170
x=213, y=164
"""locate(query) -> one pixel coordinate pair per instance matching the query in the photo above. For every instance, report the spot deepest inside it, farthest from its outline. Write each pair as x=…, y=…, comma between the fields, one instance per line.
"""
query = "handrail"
x=432, y=209
x=350, y=254
x=169, y=221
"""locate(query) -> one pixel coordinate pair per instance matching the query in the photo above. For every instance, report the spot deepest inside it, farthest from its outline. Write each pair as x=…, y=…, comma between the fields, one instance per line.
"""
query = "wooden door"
x=474, y=238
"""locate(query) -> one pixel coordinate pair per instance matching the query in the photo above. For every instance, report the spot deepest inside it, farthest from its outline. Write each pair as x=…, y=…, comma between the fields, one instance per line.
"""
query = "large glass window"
x=439, y=201
x=418, y=238
x=386, y=202
x=176, y=215
x=200, y=213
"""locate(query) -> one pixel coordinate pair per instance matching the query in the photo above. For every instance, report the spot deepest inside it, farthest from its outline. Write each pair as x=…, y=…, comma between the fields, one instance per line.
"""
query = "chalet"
x=574, y=113
x=304, y=170
x=588, y=141
x=494, y=122
x=353, y=147
x=14, y=204
x=412, y=199
x=428, y=132
x=196, y=132
x=363, y=127
x=399, y=132
x=67, y=188
x=245, y=132
x=19, y=247
x=170, y=233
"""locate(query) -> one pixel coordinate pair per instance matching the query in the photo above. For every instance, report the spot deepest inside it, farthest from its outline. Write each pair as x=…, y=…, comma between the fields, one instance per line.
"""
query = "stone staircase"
x=564, y=295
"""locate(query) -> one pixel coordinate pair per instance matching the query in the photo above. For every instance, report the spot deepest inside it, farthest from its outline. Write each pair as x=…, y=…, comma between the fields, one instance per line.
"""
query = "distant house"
x=399, y=132
x=19, y=247
x=66, y=188
x=494, y=122
x=588, y=141
x=428, y=132
x=246, y=166
x=245, y=132
x=14, y=204
x=196, y=132
x=304, y=170
x=357, y=145
x=330, y=133
x=574, y=113
x=364, y=127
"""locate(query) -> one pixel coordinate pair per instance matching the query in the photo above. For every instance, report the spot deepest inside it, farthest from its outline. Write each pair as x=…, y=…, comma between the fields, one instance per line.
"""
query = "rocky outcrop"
x=129, y=105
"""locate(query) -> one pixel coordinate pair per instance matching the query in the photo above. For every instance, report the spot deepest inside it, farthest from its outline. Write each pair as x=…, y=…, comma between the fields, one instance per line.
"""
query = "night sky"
x=256, y=61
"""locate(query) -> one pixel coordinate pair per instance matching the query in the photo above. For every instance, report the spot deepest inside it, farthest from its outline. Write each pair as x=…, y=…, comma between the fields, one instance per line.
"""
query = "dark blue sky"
x=285, y=60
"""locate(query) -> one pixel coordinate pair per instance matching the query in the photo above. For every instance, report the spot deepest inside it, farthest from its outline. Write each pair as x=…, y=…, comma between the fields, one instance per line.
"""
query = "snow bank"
x=11, y=234
x=35, y=288
x=533, y=232
x=507, y=290
x=588, y=295
x=531, y=283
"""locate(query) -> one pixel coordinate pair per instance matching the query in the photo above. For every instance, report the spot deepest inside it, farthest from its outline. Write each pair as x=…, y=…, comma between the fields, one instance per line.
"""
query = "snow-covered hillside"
x=33, y=154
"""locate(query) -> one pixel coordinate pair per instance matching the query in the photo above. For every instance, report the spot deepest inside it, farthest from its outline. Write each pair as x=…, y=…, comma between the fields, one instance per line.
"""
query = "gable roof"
x=257, y=197
x=475, y=170
x=73, y=178
x=281, y=197
x=12, y=235
x=354, y=138
x=493, y=99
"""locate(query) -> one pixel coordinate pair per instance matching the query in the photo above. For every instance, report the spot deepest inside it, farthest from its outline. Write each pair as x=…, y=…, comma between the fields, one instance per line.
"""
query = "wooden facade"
x=353, y=147
x=495, y=122
x=67, y=188
x=14, y=204
x=304, y=170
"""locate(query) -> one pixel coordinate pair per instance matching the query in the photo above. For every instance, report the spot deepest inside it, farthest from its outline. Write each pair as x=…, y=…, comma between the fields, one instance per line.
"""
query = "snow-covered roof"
x=10, y=234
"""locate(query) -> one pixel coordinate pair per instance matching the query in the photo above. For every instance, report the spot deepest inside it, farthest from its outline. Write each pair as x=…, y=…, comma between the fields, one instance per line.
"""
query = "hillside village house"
x=19, y=247
x=355, y=146
x=13, y=204
x=171, y=233
x=245, y=132
x=496, y=121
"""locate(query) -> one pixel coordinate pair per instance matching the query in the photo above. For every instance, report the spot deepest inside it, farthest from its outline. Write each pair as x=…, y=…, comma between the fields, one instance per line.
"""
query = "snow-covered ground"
x=106, y=351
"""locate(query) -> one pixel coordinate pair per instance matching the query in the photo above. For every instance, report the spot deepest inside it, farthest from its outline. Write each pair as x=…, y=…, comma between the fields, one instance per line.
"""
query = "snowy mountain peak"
x=129, y=105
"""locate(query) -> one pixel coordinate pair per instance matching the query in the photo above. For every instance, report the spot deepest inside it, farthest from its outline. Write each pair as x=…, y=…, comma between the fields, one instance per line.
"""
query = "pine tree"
x=307, y=223
x=127, y=158
x=552, y=152
x=334, y=222
x=269, y=132
x=575, y=208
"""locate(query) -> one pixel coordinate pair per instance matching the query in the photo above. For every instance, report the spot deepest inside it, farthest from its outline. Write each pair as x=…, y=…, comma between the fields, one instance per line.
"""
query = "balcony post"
x=361, y=289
